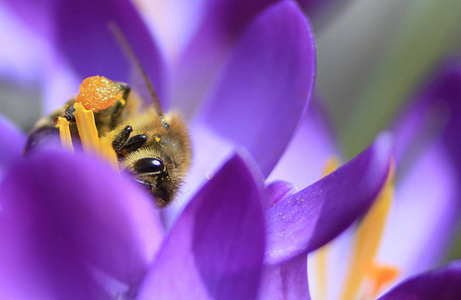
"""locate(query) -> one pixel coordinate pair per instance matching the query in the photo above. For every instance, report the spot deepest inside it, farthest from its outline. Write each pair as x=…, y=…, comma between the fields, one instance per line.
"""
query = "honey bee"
x=153, y=147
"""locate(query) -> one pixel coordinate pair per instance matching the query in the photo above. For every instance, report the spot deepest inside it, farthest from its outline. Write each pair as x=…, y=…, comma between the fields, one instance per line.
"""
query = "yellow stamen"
x=331, y=165
x=367, y=240
x=89, y=136
x=320, y=257
x=108, y=154
x=64, y=133
x=86, y=128
x=381, y=276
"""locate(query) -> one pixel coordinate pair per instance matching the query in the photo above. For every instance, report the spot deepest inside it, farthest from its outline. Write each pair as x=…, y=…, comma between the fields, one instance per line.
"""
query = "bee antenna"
x=122, y=40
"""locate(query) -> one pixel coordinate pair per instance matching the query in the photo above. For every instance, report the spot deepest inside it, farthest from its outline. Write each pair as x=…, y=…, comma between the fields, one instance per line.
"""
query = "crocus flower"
x=423, y=216
x=72, y=227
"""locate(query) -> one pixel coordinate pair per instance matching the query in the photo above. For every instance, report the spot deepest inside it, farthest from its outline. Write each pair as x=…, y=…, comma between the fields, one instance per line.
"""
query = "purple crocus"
x=424, y=215
x=71, y=227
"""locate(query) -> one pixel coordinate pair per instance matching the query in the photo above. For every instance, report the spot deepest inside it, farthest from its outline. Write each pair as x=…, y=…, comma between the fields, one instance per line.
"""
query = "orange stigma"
x=98, y=92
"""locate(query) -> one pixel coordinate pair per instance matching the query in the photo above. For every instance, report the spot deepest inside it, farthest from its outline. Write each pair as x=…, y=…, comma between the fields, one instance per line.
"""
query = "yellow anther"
x=64, y=133
x=367, y=241
x=98, y=92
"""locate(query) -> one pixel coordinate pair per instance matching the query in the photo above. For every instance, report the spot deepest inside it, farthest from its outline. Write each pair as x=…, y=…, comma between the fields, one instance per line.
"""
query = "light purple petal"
x=435, y=110
x=424, y=214
x=36, y=14
x=286, y=281
x=220, y=25
x=85, y=39
x=84, y=46
x=314, y=216
x=210, y=152
x=174, y=23
x=426, y=208
x=441, y=284
x=72, y=228
x=12, y=141
x=215, y=249
x=264, y=89
x=21, y=58
x=304, y=160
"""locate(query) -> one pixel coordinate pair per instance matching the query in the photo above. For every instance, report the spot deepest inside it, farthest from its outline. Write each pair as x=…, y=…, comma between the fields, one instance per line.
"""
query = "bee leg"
x=123, y=144
x=133, y=143
x=119, y=142
x=69, y=113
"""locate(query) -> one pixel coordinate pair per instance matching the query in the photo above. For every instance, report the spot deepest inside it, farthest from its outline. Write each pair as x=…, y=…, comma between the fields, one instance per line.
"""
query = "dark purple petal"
x=313, y=7
x=441, y=284
x=278, y=191
x=72, y=228
x=314, y=216
x=215, y=249
x=312, y=146
x=286, y=281
x=221, y=24
x=264, y=89
x=12, y=141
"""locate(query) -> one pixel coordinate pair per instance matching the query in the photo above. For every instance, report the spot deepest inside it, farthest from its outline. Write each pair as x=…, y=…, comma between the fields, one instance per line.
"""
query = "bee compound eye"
x=149, y=165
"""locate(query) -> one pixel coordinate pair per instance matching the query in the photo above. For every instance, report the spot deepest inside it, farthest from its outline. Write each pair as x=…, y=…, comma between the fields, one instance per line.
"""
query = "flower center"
x=102, y=97
x=367, y=240
x=364, y=278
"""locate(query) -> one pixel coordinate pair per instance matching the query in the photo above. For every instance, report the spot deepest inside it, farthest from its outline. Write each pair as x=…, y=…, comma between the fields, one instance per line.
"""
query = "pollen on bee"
x=98, y=92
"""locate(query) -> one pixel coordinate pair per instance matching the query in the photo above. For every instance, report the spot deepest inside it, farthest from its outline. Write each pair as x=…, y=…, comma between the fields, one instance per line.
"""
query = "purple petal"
x=427, y=150
x=215, y=249
x=72, y=228
x=174, y=22
x=36, y=15
x=286, y=281
x=83, y=35
x=84, y=46
x=264, y=89
x=210, y=152
x=313, y=7
x=20, y=58
x=12, y=141
x=278, y=191
x=314, y=216
x=304, y=160
x=424, y=214
x=441, y=284
x=435, y=110
x=221, y=24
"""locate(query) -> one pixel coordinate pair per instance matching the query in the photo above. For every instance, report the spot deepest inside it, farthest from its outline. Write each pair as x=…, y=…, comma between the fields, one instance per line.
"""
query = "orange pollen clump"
x=98, y=92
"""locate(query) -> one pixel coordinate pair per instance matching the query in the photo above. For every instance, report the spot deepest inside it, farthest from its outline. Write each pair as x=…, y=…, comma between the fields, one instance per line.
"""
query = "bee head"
x=152, y=173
